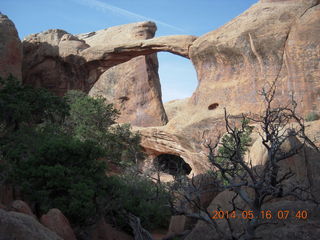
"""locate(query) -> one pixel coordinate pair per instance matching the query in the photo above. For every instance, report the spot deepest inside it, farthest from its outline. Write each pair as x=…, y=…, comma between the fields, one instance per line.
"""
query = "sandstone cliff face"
x=10, y=49
x=53, y=60
x=50, y=61
x=133, y=86
x=157, y=141
x=60, y=61
x=272, y=40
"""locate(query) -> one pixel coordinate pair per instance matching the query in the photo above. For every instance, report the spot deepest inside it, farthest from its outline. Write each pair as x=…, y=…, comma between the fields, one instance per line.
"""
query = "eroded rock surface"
x=58, y=223
x=271, y=40
x=157, y=141
x=10, y=49
x=133, y=86
x=20, y=226
x=104, y=231
x=60, y=62
x=50, y=61
x=22, y=207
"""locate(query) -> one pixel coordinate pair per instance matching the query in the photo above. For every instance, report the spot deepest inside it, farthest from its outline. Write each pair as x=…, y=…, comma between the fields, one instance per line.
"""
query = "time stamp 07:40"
x=264, y=214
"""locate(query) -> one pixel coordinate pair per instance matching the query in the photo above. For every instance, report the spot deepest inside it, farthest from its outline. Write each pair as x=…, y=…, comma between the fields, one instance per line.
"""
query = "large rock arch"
x=273, y=39
x=95, y=63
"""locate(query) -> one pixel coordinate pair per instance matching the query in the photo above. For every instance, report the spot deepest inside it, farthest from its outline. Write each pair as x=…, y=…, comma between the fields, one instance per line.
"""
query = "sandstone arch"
x=271, y=39
x=58, y=49
x=117, y=63
x=100, y=58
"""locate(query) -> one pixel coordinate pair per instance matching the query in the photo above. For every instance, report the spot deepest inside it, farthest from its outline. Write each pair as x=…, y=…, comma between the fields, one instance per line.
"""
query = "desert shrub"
x=122, y=146
x=90, y=118
x=312, y=116
x=93, y=119
x=57, y=171
x=230, y=145
x=50, y=148
x=25, y=105
x=139, y=196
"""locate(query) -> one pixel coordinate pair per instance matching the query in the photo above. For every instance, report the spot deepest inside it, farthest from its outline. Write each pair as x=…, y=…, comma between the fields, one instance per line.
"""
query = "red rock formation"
x=267, y=42
x=134, y=86
x=20, y=226
x=10, y=49
x=272, y=40
x=22, y=207
x=58, y=223
x=60, y=61
x=50, y=61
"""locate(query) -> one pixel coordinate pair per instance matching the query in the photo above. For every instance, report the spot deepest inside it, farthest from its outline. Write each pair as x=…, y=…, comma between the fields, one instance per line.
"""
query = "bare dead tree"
x=254, y=186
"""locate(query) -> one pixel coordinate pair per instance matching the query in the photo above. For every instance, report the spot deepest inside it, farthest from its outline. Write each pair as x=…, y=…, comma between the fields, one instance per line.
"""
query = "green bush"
x=24, y=105
x=229, y=147
x=141, y=197
x=92, y=119
x=50, y=148
x=56, y=171
x=312, y=116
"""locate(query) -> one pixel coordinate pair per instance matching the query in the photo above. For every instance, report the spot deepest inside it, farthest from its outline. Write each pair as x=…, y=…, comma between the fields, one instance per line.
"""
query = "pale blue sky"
x=192, y=17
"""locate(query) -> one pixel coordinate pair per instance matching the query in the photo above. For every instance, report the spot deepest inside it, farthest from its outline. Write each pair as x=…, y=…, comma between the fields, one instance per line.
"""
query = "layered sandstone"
x=50, y=60
x=60, y=62
x=10, y=49
x=133, y=86
x=273, y=40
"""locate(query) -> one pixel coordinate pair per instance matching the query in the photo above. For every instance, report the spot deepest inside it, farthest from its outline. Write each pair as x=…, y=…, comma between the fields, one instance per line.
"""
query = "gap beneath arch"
x=177, y=75
x=172, y=164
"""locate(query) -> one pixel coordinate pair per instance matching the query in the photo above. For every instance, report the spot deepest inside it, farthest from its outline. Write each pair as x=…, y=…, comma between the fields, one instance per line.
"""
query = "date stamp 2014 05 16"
x=264, y=214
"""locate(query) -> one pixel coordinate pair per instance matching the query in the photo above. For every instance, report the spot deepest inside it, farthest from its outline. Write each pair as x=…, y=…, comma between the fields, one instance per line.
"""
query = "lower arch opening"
x=172, y=164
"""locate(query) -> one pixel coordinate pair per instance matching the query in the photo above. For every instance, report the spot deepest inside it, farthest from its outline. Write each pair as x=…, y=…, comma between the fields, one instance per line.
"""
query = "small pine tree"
x=229, y=145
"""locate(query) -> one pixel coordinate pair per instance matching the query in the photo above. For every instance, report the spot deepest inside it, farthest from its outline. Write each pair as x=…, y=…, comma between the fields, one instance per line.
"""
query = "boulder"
x=22, y=207
x=179, y=226
x=20, y=226
x=58, y=223
x=10, y=49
